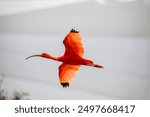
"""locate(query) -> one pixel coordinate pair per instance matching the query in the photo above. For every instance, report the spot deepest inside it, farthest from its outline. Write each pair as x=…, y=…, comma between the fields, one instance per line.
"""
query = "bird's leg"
x=98, y=66
x=90, y=63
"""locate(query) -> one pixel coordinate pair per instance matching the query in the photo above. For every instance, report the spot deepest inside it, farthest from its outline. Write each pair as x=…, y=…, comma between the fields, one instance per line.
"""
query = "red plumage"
x=72, y=58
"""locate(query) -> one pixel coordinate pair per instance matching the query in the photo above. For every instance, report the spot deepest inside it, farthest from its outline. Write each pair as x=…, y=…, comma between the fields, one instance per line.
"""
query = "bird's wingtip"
x=66, y=84
x=74, y=31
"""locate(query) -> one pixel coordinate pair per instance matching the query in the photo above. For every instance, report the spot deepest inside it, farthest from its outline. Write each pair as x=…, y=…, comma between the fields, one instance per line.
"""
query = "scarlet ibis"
x=72, y=58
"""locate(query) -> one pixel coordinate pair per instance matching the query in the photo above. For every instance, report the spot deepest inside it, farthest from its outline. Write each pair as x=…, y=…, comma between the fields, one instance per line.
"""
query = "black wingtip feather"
x=74, y=31
x=66, y=84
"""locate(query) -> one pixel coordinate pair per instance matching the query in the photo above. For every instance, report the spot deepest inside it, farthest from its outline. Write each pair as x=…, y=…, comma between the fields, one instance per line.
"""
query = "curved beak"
x=38, y=55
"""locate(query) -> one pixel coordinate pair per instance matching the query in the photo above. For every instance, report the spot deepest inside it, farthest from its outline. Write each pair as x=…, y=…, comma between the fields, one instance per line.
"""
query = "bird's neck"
x=45, y=55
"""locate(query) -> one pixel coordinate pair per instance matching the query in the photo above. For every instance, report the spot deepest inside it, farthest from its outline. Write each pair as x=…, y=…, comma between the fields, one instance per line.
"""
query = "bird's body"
x=72, y=58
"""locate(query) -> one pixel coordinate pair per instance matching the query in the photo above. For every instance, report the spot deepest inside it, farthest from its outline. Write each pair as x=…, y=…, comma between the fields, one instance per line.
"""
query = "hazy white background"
x=116, y=34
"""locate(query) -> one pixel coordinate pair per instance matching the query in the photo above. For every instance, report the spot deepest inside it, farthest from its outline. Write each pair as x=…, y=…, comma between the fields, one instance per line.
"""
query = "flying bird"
x=72, y=59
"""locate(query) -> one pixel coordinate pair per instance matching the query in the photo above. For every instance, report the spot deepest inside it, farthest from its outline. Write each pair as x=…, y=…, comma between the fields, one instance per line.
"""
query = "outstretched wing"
x=73, y=44
x=66, y=73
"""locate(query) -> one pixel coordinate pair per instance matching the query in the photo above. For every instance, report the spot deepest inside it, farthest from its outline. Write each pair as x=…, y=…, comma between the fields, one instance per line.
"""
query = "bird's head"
x=44, y=55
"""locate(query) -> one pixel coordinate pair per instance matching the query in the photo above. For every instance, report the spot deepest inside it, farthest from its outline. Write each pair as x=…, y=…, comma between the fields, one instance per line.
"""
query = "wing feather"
x=73, y=45
x=67, y=72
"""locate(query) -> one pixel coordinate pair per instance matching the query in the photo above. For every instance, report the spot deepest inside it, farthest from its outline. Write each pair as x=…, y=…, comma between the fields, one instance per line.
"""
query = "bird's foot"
x=66, y=84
